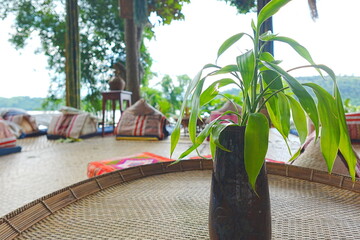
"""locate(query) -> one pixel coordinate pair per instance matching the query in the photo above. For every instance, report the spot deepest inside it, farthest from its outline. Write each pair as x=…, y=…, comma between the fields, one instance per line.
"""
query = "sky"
x=185, y=46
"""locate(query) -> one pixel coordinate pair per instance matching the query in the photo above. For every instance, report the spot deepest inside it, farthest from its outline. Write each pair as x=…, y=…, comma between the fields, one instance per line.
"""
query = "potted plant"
x=239, y=201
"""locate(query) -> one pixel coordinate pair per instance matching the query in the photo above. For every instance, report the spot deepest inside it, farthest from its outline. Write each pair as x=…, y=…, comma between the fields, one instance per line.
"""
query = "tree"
x=72, y=54
x=244, y=6
x=101, y=39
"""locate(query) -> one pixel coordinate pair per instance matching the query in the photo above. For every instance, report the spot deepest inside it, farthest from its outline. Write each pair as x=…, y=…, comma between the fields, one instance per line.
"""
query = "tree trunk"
x=267, y=26
x=72, y=54
x=132, y=59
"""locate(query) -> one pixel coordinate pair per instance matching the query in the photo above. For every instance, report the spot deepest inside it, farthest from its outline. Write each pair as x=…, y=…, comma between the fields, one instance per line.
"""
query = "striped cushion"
x=7, y=138
x=141, y=126
x=353, y=124
x=72, y=125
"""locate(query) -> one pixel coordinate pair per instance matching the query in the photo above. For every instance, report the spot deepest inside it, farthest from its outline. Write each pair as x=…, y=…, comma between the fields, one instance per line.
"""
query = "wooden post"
x=267, y=26
x=132, y=50
x=72, y=54
x=132, y=59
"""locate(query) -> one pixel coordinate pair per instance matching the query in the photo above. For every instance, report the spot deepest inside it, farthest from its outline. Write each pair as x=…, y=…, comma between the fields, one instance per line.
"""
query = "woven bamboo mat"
x=45, y=166
x=175, y=206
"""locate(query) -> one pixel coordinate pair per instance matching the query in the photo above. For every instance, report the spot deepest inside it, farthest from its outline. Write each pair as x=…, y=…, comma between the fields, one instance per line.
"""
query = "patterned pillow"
x=7, y=138
x=353, y=124
x=142, y=121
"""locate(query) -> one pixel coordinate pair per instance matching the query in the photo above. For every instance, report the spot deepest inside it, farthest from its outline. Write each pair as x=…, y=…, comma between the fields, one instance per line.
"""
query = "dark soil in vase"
x=236, y=211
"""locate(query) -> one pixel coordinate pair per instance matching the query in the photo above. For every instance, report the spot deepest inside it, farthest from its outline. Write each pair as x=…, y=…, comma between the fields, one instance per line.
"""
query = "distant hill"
x=349, y=86
x=26, y=103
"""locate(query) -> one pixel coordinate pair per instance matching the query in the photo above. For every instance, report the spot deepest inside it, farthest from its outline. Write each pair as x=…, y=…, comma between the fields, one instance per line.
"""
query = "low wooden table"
x=114, y=96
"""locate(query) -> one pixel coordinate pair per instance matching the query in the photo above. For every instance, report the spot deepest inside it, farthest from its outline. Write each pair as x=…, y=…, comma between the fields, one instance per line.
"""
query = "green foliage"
x=243, y=6
x=26, y=103
x=169, y=99
x=263, y=83
x=349, y=107
x=101, y=39
x=167, y=10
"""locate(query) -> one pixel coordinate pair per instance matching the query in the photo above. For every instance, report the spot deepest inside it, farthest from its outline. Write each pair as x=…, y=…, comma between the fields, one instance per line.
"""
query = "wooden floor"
x=44, y=166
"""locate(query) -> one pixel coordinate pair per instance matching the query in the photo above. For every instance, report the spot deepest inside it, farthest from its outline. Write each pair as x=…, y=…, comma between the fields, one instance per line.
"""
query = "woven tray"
x=305, y=203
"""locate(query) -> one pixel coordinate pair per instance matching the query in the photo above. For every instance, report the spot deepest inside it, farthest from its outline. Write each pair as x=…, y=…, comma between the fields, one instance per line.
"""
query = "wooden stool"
x=114, y=96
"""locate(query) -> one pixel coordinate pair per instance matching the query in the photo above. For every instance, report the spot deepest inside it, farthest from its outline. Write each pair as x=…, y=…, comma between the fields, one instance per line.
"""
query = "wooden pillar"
x=132, y=49
x=267, y=26
x=72, y=54
x=132, y=59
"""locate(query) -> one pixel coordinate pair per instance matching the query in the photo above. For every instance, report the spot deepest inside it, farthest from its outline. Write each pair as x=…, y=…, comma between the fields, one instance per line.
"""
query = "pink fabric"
x=215, y=114
x=117, y=163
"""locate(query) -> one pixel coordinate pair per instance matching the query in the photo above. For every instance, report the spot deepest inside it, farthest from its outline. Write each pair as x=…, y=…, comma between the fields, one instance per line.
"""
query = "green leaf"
x=284, y=112
x=175, y=136
x=305, y=99
x=208, y=128
x=270, y=77
x=246, y=64
x=256, y=145
x=213, y=90
x=273, y=79
x=328, y=70
x=216, y=133
x=188, y=151
x=195, y=109
x=226, y=69
x=301, y=50
x=229, y=42
x=330, y=131
x=272, y=108
x=299, y=118
x=279, y=113
x=212, y=146
x=297, y=154
x=345, y=143
x=269, y=10
x=267, y=36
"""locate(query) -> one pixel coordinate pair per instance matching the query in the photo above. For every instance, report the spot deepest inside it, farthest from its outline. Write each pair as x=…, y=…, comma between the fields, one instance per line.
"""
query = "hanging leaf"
x=300, y=92
x=226, y=69
x=212, y=146
x=284, y=112
x=246, y=64
x=229, y=42
x=213, y=90
x=216, y=133
x=256, y=145
x=273, y=111
x=301, y=50
x=175, y=136
x=269, y=10
x=330, y=131
x=270, y=77
x=299, y=118
x=195, y=110
x=345, y=142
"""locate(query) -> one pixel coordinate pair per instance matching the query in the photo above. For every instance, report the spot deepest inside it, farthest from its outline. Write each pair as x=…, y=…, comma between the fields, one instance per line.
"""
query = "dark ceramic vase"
x=117, y=83
x=236, y=211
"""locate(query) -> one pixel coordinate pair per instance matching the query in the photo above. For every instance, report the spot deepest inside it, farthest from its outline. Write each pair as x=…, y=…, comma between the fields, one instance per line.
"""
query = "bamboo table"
x=171, y=202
